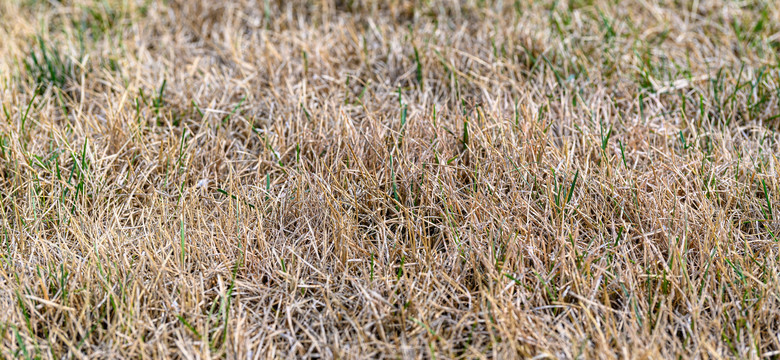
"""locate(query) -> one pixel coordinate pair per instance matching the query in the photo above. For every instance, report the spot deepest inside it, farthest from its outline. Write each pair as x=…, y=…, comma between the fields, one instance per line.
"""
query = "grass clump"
x=47, y=66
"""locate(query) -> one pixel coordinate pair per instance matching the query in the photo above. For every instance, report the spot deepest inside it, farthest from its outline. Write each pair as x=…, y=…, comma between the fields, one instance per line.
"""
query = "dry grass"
x=350, y=179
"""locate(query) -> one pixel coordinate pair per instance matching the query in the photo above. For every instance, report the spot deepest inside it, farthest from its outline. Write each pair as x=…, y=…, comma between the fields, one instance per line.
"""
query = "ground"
x=403, y=179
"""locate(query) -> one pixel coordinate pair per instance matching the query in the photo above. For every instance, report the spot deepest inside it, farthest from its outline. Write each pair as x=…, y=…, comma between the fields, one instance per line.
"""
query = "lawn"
x=253, y=179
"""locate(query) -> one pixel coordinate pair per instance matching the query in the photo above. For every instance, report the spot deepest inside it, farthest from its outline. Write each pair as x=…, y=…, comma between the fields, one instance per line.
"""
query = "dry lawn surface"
x=257, y=179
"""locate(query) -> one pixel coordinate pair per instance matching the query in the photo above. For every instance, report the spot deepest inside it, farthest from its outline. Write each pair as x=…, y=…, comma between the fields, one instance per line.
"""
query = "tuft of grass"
x=47, y=66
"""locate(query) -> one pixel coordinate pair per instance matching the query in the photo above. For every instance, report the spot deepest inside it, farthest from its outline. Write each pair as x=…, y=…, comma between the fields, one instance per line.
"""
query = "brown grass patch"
x=351, y=179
